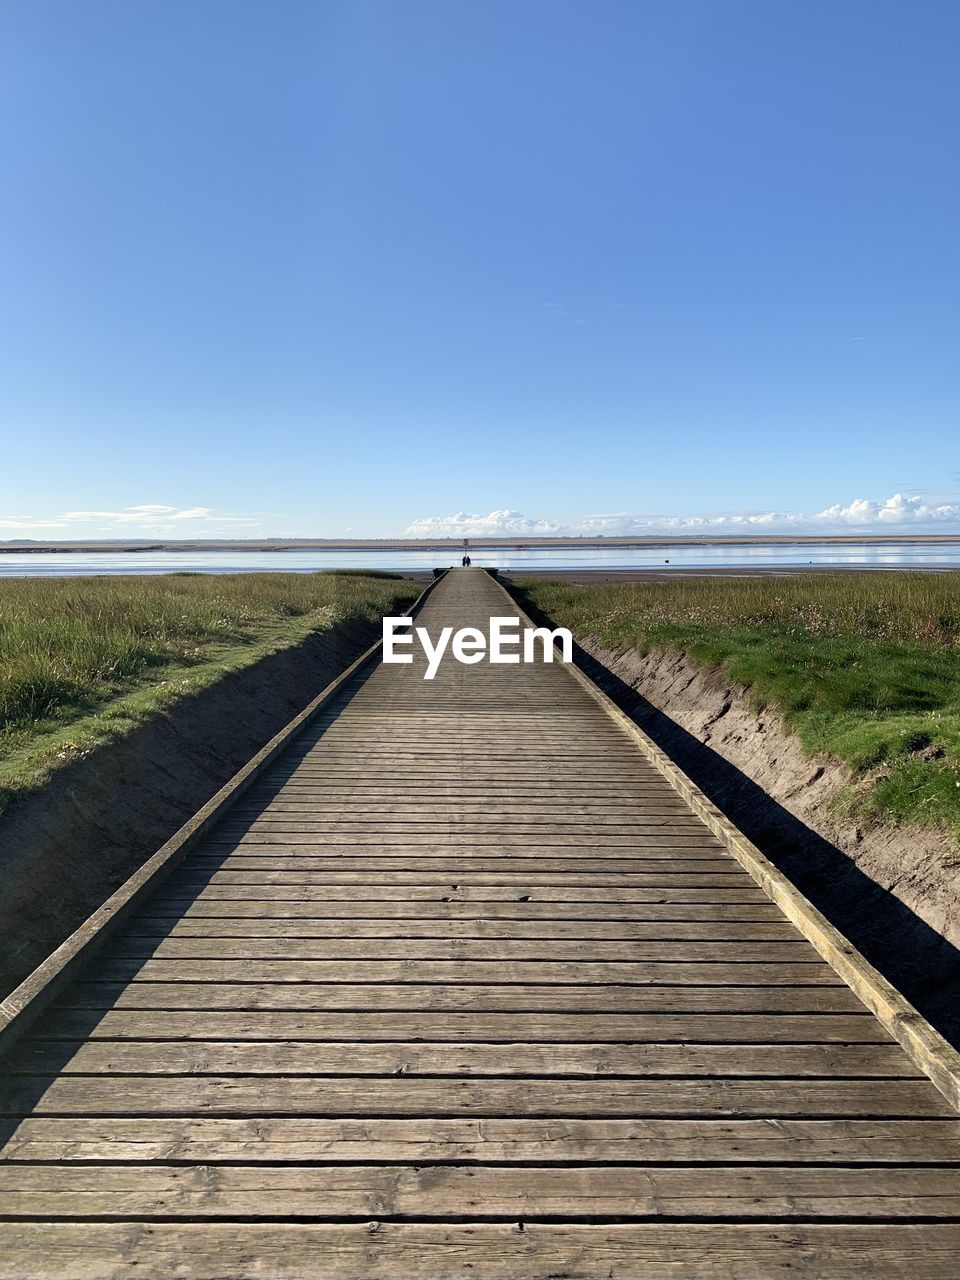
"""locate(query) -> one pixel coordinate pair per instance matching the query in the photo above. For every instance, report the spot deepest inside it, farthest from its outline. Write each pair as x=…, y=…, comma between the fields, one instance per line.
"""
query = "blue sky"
x=322, y=267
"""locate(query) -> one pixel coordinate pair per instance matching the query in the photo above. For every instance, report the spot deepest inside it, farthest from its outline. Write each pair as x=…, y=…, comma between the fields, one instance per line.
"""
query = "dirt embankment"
x=65, y=848
x=894, y=892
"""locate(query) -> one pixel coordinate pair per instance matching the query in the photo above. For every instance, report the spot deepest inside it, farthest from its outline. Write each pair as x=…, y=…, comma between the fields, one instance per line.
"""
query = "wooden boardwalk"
x=461, y=987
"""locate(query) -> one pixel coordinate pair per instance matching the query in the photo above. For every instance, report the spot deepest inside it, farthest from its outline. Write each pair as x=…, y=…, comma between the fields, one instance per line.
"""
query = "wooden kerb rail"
x=454, y=980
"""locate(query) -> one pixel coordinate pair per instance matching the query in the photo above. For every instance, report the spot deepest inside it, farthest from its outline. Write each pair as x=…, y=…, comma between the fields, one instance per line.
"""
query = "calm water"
x=756, y=556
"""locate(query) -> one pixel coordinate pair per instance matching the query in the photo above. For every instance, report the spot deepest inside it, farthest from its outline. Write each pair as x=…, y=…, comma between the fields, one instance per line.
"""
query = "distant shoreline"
x=446, y=544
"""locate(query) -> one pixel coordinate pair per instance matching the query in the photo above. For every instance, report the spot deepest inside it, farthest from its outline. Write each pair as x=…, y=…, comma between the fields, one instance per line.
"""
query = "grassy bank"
x=82, y=658
x=865, y=667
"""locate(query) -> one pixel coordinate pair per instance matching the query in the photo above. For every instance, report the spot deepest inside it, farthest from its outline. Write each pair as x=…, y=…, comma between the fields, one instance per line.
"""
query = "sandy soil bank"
x=65, y=848
x=895, y=892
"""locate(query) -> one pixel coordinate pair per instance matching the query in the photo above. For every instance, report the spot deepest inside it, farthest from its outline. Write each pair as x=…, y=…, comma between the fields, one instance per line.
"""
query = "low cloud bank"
x=144, y=518
x=900, y=511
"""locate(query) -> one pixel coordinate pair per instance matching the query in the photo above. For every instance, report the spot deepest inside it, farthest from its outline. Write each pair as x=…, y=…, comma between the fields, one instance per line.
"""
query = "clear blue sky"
x=325, y=266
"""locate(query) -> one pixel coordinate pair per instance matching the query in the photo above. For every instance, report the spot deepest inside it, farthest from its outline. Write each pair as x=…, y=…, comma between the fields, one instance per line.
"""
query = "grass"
x=363, y=573
x=83, y=658
x=864, y=667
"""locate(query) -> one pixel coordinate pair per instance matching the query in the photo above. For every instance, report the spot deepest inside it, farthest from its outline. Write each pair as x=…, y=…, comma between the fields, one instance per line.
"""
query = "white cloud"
x=898, y=509
x=144, y=518
x=154, y=515
x=506, y=524
x=897, y=512
x=9, y=522
x=199, y=513
x=498, y=524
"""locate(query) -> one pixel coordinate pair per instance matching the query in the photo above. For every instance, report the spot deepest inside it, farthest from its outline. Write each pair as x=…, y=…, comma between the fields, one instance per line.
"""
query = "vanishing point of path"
x=461, y=987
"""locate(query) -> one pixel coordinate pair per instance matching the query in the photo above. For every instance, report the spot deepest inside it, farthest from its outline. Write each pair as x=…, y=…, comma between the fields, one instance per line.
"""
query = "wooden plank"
x=675, y=828
x=311, y=766
x=437, y=909
x=461, y=997
x=471, y=861
x=409, y=852
x=486, y=1251
x=512, y=881
x=490, y=839
x=320, y=807
x=314, y=814
x=377, y=950
x=217, y=1057
x=544, y=1191
x=302, y=828
x=147, y=929
x=475, y=973
x=426, y=750
x=502, y=791
x=282, y=815
x=321, y=780
x=603, y=810
x=530, y=1027
x=615, y=773
x=497, y=1141
x=522, y=742
x=153, y=1095
x=747, y=894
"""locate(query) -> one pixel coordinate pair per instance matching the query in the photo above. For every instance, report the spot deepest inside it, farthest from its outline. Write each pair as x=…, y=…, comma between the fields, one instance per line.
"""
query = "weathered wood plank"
x=459, y=998
x=470, y=860
x=531, y=1027
x=359, y=1191
x=447, y=908
x=497, y=1141
x=467, y=972
x=377, y=950
x=491, y=1251
x=217, y=1057
x=355, y=808
x=148, y=930
x=325, y=788
x=670, y=829
x=153, y=1095
x=613, y=773
x=635, y=817
x=512, y=881
x=442, y=909
x=452, y=841
x=746, y=894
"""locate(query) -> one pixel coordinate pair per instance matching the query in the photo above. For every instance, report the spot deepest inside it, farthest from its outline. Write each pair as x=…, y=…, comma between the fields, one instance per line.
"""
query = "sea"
x=768, y=557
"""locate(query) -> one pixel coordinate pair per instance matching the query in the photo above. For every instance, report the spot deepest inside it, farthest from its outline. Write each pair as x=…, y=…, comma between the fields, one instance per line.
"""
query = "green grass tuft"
x=362, y=573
